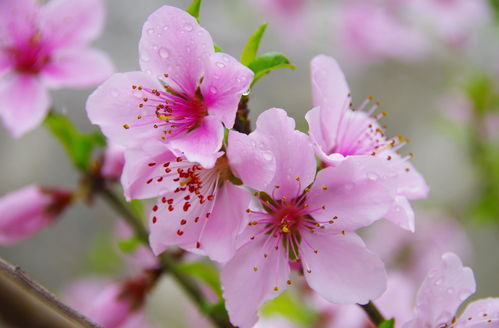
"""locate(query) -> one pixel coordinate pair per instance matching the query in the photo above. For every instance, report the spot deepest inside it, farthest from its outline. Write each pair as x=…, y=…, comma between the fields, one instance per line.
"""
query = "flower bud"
x=28, y=210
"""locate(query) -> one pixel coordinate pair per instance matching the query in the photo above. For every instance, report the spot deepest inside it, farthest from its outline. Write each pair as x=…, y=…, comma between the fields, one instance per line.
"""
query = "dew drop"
x=150, y=31
x=144, y=58
x=213, y=90
x=438, y=281
x=268, y=156
x=463, y=296
x=247, y=92
x=163, y=53
x=165, y=28
x=450, y=290
x=138, y=94
x=220, y=64
x=188, y=27
x=372, y=176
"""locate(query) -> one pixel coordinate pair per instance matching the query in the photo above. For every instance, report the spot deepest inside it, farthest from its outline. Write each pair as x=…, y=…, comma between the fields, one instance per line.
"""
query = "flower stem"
x=168, y=263
x=373, y=313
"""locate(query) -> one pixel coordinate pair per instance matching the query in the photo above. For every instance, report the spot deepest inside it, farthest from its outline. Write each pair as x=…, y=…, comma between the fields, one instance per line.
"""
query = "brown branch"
x=373, y=312
x=25, y=303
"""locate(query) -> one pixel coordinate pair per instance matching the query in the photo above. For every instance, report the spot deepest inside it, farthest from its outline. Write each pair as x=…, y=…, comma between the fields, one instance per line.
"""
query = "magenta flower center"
x=172, y=110
x=30, y=55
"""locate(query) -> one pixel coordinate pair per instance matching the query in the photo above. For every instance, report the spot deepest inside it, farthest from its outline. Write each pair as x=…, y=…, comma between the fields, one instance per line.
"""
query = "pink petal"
x=140, y=167
x=77, y=69
x=411, y=183
x=319, y=140
x=246, y=289
x=5, y=63
x=219, y=235
x=173, y=43
x=401, y=214
x=69, y=23
x=252, y=164
x=18, y=20
x=330, y=92
x=224, y=82
x=484, y=313
x=443, y=290
x=115, y=104
x=202, y=144
x=24, y=103
x=176, y=227
x=275, y=136
x=357, y=192
x=342, y=270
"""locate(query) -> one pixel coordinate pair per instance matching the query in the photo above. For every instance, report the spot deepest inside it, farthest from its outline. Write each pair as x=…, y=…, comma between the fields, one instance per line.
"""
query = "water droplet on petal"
x=463, y=295
x=138, y=94
x=165, y=28
x=372, y=176
x=438, y=281
x=150, y=31
x=220, y=64
x=188, y=27
x=163, y=53
x=213, y=90
x=450, y=290
x=247, y=92
x=144, y=58
x=268, y=156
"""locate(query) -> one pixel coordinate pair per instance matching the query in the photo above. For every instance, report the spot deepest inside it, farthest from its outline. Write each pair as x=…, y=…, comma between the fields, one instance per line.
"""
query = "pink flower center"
x=29, y=56
x=173, y=111
x=284, y=220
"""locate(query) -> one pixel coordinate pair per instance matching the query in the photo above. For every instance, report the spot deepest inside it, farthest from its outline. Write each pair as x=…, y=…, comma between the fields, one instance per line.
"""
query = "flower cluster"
x=260, y=203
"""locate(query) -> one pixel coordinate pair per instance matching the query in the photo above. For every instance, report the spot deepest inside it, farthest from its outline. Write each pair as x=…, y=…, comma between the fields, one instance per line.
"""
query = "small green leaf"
x=287, y=305
x=78, y=146
x=129, y=245
x=387, y=324
x=251, y=48
x=194, y=9
x=267, y=63
x=204, y=272
x=137, y=207
x=217, y=48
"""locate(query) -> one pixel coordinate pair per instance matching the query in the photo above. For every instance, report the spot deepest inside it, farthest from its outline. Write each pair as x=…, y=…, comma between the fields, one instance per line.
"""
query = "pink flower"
x=302, y=218
x=182, y=97
x=198, y=209
x=368, y=30
x=442, y=292
x=338, y=132
x=109, y=305
x=450, y=20
x=113, y=162
x=28, y=210
x=44, y=48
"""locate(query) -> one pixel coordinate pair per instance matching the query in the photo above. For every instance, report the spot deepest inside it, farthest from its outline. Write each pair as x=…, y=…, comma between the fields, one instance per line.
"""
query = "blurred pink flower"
x=182, y=96
x=44, y=48
x=302, y=217
x=452, y=21
x=396, y=302
x=198, y=209
x=377, y=30
x=415, y=253
x=338, y=132
x=106, y=304
x=113, y=162
x=26, y=211
x=457, y=107
x=443, y=290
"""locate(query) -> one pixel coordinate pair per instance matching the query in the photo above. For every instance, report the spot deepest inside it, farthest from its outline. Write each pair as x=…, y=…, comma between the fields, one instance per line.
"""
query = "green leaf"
x=287, y=305
x=194, y=9
x=129, y=245
x=78, y=146
x=217, y=48
x=137, y=207
x=251, y=48
x=204, y=272
x=267, y=63
x=387, y=324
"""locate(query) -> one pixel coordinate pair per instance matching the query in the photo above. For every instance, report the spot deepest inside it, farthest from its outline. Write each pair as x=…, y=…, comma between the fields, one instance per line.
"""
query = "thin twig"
x=373, y=312
x=24, y=302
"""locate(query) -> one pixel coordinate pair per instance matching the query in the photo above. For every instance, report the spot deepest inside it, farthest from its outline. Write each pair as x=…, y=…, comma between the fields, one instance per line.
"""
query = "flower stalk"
x=373, y=313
